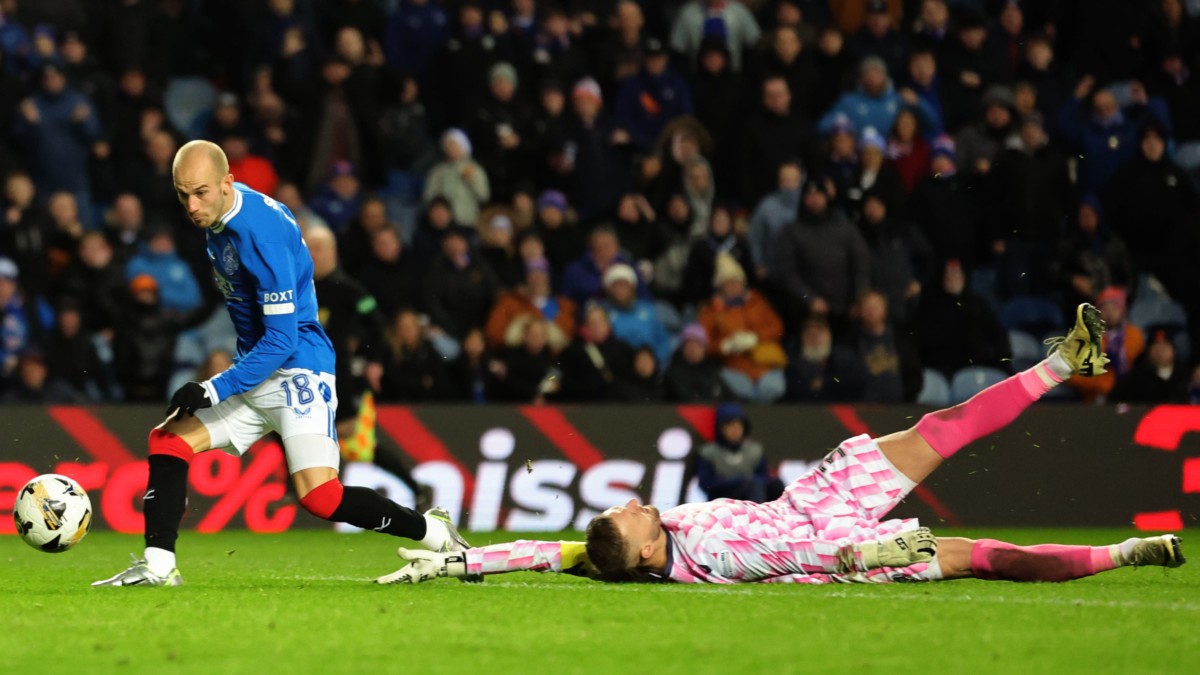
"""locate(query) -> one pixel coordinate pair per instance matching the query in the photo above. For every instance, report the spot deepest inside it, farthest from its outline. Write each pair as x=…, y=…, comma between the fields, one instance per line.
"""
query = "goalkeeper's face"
x=639, y=524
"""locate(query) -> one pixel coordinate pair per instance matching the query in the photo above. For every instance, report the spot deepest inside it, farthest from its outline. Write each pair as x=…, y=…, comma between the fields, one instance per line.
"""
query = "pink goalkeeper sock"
x=948, y=431
x=991, y=559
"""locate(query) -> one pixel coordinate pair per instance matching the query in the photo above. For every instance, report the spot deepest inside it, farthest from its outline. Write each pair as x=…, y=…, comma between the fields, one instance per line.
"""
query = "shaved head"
x=201, y=151
x=203, y=183
x=322, y=246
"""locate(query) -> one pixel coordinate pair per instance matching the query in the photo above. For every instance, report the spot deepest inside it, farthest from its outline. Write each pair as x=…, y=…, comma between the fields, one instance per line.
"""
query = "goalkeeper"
x=827, y=527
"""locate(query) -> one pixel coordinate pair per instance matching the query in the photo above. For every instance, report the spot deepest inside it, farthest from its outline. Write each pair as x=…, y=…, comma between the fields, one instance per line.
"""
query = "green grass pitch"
x=301, y=602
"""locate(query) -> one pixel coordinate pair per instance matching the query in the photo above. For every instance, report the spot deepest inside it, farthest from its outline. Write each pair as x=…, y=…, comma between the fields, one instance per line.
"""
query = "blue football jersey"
x=265, y=272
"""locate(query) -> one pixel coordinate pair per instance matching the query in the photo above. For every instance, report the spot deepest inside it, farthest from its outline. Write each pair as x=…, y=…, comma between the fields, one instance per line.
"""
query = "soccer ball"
x=52, y=513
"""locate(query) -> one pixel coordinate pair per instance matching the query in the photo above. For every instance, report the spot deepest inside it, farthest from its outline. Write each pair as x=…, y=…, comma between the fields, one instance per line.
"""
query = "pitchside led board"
x=546, y=468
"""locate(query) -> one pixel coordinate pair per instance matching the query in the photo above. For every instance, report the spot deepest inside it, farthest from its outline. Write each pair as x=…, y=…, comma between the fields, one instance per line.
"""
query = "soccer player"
x=282, y=379
x=827, y=527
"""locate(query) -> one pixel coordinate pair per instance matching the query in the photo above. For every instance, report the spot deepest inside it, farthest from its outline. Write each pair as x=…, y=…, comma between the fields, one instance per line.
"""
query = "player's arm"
x=569, y=557
x=272, y=265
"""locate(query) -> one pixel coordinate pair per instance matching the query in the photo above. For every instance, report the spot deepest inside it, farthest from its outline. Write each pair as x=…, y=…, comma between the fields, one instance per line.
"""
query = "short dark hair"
x=606, y=550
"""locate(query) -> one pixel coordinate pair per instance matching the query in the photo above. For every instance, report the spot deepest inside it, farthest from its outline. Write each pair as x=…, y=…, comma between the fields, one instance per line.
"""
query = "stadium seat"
x=1031, y=314
x=935, y=390
x=1026, y=350
x=972, y=380
x=1157, y=311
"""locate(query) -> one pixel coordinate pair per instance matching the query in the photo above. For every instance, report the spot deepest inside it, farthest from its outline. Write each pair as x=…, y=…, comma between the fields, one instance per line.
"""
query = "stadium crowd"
x=528, y=200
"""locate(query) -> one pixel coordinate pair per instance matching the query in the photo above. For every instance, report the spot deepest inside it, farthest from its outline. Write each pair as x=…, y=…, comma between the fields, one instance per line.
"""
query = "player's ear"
x=646, y=552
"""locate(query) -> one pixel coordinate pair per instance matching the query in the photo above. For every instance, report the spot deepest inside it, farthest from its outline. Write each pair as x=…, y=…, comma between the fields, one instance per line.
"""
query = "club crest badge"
x=229, y=260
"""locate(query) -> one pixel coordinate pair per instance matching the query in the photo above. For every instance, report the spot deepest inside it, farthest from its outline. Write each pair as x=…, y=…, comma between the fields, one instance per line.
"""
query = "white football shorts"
x=298, y=404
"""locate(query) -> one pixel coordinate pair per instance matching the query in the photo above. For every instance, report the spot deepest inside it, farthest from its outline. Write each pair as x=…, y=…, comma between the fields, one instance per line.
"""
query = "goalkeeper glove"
x=189, y=398
x=425, y=565
x=899, y=550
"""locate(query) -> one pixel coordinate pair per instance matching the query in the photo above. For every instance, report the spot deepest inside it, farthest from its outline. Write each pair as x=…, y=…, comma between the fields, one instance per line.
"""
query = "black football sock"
x=165, y=500
x=370, y=510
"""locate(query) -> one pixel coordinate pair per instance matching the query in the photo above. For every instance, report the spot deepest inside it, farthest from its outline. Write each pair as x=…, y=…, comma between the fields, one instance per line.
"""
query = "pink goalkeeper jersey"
x=796, y=538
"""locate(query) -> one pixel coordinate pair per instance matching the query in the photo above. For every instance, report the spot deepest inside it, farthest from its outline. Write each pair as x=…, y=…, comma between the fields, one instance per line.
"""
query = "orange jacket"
x=1091, y=388
x=754, y=315
x=514, y=304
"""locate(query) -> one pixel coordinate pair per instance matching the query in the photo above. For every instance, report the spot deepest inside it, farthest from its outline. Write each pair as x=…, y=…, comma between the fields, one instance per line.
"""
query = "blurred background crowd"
x=528, y=200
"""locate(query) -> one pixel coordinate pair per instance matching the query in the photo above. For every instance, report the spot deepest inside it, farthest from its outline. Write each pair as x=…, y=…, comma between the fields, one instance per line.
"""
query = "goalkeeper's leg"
x=997, y=560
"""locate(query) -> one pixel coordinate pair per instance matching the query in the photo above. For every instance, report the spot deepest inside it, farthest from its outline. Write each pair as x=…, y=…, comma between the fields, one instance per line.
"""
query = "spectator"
x=55, y=128
x=652, y=97
x=634, y=321
x=946, y=209
x=459, y=289
x=1106, y=136
x=1124, y=344
x=908, y=151
x=1157, y=378
x=702, y=18
x=17, y=325
x=821, y=259
x=901, y=258
x=1091, y=257
x=702, y=259
x=971, y=66
x=744, y=331
x=733, y=465
x=700, y=191
x=124, y=227
x=66, y=231
x=95, y=282
x=932, y=26
x=719, y=98
x=415, y=372
x=1148, y=200
x=642, y=237
x=693, y=376
x=840, y=163
x=583, y=278
x=390, y=274
x=435, y=222
x=548, y=146
x=500, y=128
x=644, y=384
x=891, y=367
x=405, y=129
x=835, y=71
x=144, y=345
x=1028, y=197
x=620, y=52
x=458, y=178
x=340, y=198
x=562, y=239
x=556, y=52
x=178, y=290
x=772, y=214
x=525, y=369
x=531, y=301
x=498, y=249
x=772, y=136
x=1172, y=82
x=878, y=38
x=596, y=366
x=25, y=233
x=1040, y=69
x=415, y=31
x=958, y=328
x=594, y=156
x=926, y=82
x=459, y=70
x=33, y=384
x=819, y=370
x=472, y=374
x=76, y=362
x=980, y=143
x=876, y=101
x=873, y=175
x=254, y=170
x=149, y=177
